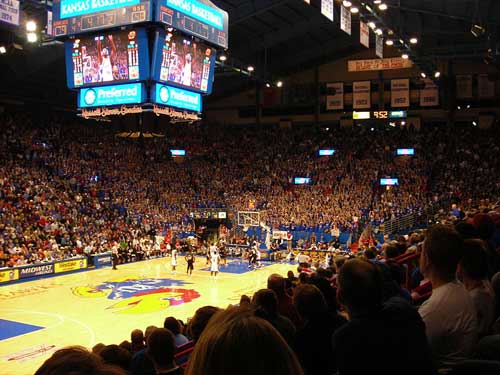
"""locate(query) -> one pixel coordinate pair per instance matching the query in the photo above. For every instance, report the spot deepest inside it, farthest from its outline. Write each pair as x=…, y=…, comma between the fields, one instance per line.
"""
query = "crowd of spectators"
x=358, y=315
x=70, y=188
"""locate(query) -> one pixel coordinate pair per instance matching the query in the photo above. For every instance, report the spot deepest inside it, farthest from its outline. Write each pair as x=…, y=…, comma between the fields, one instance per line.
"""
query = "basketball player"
x=105, y=59
x=114, y=256
x=173, y=260
x=214, y=268
x=186, y=71
x=190, y=263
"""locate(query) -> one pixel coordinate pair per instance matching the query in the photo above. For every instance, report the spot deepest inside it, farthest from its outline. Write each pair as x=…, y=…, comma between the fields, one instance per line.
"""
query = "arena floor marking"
x=105, y=305
x=10, y=328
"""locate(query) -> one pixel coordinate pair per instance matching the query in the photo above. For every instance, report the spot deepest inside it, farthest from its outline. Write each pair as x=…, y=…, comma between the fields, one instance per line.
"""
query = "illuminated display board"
x=389, y=181
x=379, y=115
x=72, y=17
x=326, y=152
x=183, y=62
x=302, y=180
x=111, y=57
x=176, y=153
x=200, y=18
x=405, y=151
x=176, y=97
x=131, y=93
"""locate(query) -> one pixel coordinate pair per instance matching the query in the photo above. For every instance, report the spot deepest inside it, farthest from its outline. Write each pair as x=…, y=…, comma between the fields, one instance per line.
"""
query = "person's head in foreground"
x=76, y=360
x=235, y=341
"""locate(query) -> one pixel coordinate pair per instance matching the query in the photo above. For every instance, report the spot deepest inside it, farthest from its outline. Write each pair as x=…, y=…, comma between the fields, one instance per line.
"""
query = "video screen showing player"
x=186, y=62
x=112, y=57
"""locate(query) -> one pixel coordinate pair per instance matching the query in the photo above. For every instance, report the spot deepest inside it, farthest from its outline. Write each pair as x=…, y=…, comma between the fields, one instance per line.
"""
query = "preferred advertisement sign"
x=361, y=95
x=400, y=93
x=176, y=97
x=335, y=96
x=132, y=93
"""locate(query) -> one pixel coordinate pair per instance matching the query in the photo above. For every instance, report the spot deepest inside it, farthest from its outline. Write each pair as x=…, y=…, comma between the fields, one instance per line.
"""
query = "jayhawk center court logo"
x=136, y=295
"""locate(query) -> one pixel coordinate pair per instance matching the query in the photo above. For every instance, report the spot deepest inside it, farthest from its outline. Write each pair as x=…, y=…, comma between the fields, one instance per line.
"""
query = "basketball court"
x=38, y=317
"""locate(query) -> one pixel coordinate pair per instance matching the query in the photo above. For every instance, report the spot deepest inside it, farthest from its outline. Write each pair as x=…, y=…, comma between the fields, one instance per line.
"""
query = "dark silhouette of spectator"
x=266, y=305
x=237, y=342
x=175, y=327
x=161, y=349
x=286, y=308
x=313, y=341
x=116, y=355
x=391, y=327
x=76, y=360
x=200, y=320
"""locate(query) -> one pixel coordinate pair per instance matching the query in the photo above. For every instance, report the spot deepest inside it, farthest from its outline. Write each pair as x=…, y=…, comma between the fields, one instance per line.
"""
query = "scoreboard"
x=380, y=115
x=71, y=17
x=199, y=18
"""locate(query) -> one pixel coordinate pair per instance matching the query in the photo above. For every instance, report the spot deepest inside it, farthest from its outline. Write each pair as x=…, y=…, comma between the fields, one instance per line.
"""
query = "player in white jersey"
x=173, y=260
x=186, y=71
x=214, y=267
x=105, y=58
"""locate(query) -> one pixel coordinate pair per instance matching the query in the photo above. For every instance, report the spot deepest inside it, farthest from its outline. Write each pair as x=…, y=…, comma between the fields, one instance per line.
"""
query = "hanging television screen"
x=107, y=58
x=184, y=62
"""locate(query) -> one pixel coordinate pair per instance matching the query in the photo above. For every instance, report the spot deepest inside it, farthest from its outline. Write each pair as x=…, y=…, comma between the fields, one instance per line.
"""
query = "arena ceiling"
x=278, y=38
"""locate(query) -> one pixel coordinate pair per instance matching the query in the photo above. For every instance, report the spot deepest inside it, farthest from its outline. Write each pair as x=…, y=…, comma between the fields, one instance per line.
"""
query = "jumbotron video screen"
x=111, y=57
x=186, y=63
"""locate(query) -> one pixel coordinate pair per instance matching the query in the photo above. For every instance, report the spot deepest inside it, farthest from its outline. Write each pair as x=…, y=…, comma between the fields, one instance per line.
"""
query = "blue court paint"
x=9, y=328
x=236, y=267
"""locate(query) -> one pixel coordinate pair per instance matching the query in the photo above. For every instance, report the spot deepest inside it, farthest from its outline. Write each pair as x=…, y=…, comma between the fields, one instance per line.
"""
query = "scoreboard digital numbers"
x=380, y=115
x=71, y=17
x=199, y=18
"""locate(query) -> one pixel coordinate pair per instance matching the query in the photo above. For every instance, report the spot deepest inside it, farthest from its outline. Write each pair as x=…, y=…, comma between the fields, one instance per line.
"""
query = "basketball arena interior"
x=241, y=187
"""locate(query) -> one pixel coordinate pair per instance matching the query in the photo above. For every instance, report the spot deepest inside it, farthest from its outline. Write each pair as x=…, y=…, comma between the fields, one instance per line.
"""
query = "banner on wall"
x=70, y=265
x=36, y=270
x=379, y=46
x=378, y=64
x=485, y=87
x=335, y=96
x=9, y=12
x=429, y=95
x=345, y=19
x=280, y=234
x=327, y=9
x=400, y=93
x=9, y=275
x=361, y=95
x=464, y=86
x=364, y=34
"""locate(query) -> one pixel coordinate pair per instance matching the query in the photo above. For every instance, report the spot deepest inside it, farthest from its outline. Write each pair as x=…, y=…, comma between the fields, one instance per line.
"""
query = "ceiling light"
x=250, y=68
x=379, y=32
x=354, y=10
x=389, y=42
x=437, y=74
x=346, y=3
x=279, y=84
x=268, y=84
x=31, y=26
x=382, y=6
x=423, y=75
x=405, y=56
x=477, y=30
x=32, y=37
x=3, y=49
x=377, y=1
x=413, y=40
x=403, y=123
x=474, y=123
x=222, y=57
x=372, y=25
x=458, y=107
x=468, y=106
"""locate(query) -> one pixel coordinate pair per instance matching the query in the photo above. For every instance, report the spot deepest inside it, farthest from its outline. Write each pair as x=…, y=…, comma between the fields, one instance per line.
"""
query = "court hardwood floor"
x=104, y=305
